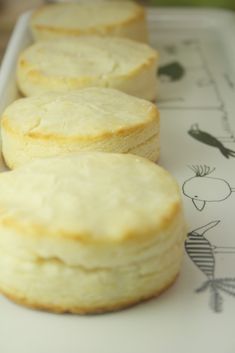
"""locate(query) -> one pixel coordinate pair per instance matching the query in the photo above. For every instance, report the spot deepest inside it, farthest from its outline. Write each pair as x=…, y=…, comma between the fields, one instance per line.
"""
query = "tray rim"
x=223, y=18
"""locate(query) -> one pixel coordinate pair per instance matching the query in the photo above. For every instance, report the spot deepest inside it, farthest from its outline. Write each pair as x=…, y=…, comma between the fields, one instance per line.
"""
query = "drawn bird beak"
x=199, y=204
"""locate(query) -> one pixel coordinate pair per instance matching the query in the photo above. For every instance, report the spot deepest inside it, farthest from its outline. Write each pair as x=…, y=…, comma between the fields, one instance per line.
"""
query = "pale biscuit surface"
x=89, y=232
x=97, y=119
x=67, y=64
x=114, y=18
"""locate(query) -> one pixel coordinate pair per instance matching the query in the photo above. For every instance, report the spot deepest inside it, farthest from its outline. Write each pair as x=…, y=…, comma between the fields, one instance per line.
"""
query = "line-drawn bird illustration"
x=202, y=254
x=229, y=80
x=173, y=71
x=210, y=140
x=202, y=189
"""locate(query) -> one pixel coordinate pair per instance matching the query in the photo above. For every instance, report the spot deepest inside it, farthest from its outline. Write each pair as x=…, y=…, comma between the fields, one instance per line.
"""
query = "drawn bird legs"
x=202, y=253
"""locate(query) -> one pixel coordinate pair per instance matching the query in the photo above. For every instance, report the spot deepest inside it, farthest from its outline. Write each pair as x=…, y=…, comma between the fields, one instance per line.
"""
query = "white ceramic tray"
x=197, y=103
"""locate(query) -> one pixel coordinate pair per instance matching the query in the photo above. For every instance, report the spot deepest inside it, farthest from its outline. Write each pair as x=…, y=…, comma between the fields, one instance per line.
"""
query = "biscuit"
x=99, y=119
x=68, y=64
x=89, y=232
x=115, y=18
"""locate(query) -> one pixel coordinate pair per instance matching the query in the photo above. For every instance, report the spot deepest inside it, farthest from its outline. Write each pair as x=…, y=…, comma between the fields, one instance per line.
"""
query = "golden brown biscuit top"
x=86, y=113
x=89, y=197
x=87, y=58
x=85, y=16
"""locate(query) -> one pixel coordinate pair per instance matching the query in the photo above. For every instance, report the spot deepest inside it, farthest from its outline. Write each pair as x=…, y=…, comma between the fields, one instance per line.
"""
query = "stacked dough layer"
x=68, y=64
x=113, y=18
x=97, y=119
x=88, y=233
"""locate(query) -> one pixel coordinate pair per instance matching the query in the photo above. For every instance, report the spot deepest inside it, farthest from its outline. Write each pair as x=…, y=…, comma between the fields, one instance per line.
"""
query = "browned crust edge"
x=130, y=235
x=24, y=301
x=152, y=119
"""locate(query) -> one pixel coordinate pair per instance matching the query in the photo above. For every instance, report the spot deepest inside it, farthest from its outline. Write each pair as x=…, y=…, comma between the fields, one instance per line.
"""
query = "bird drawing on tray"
x=171, y=72
x=202, y=253
x=202, y=188
x=210, y=140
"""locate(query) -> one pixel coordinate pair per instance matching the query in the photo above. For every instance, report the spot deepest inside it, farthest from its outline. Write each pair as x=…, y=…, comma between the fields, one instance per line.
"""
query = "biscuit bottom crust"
x=53, y=286
x=23, y=300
